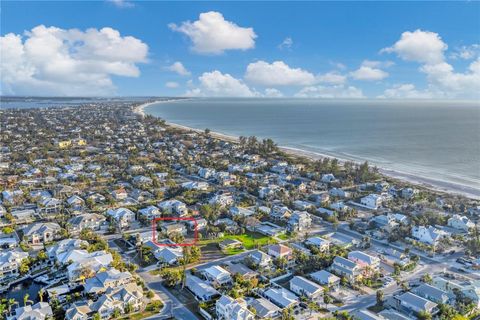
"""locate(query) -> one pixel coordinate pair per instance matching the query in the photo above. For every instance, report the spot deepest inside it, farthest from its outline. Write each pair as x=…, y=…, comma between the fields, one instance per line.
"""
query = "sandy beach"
x=421, y=182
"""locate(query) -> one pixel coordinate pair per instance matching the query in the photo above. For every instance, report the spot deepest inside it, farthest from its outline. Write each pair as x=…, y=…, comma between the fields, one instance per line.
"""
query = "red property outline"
x=185, y=244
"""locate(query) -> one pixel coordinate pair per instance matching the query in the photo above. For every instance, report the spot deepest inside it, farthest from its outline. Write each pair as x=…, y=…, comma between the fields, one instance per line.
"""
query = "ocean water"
x=428, y=141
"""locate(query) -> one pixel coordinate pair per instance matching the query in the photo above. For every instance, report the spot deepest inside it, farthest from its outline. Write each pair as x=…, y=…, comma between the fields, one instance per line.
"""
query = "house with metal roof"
x=305, y=287
x=410, y=303
x=281, y=297
x=200, y=289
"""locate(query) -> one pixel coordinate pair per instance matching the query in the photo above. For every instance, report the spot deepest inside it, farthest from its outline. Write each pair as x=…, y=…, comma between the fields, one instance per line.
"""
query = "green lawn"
x=140, y=315
x=283, y=236
x=233, y=251
x=249, y=240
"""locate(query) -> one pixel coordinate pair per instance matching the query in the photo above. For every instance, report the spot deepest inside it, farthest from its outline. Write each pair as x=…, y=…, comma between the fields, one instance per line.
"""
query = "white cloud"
x=405, y=91
x=212, y=34
x=178, y=68
x=217, y=84
x=172, y=84
x=122, y=3
x=466, y=52
x=420, y=46
x=277, y=73
x=427, y=48
x=369, y=71
x=337, y=91
x=332, y=77
x=54, y=61
x=454, y=84
x=273, y=93
x=286, y=43
x=368, y=74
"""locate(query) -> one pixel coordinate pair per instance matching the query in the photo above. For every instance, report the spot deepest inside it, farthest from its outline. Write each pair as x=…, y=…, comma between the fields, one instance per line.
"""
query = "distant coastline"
x=421, y=182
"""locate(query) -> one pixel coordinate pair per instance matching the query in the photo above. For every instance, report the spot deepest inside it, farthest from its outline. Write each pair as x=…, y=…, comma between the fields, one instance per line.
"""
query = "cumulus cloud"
x=178, y=68
x=217, y=84
x=172, y=84
x=212, y=34
x=427, y=48
x=337, y=91
x=405, y=91
x=332, y=77
x=54, y=61
x=420, y=46
x=286, y=43
x=277, y=73
x=369, y=71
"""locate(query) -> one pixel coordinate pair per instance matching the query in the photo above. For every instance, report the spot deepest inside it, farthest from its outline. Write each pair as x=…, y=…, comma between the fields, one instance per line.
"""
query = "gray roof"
x=281, y=297
x=199, y=287
x=324, y=277
x=416, y=302
x=432, y=293
x=345, y=262
x=309, y=287
x=264, y=308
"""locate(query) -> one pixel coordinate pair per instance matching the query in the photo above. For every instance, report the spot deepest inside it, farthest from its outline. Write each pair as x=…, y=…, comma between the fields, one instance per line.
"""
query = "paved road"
x=173, y=307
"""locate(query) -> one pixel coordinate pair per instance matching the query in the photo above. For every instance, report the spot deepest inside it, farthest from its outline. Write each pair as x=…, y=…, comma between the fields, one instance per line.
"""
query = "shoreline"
x=410, y=178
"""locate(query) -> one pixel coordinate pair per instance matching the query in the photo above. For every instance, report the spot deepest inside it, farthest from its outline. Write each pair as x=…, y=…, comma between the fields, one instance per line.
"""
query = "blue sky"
x=330, y=49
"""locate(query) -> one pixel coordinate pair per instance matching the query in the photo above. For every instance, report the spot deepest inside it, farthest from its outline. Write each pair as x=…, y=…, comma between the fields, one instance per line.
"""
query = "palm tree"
x=11, y=302
x=25, y=299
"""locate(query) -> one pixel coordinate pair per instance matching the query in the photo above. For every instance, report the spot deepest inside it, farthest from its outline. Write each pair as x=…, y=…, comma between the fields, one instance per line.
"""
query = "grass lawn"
x=233, y=251
x=249, y=240
x=140, y=315
x=283, y=236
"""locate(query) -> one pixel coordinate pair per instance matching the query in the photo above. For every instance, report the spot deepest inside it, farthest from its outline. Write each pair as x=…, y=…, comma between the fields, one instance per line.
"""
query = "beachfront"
x=435, y=183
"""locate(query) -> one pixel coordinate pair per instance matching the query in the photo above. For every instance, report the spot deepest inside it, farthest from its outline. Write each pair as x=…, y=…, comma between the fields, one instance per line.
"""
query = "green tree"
x=423, y=315
x=25, y=299
x=380, y=297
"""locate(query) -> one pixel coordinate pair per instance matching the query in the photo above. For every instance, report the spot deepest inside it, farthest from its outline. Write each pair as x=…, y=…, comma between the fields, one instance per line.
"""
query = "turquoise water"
x=432, y=140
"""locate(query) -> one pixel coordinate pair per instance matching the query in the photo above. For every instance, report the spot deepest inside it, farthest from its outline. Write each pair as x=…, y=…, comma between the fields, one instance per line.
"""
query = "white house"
x=326, y=278
x=122, y=216
x=299, y=221
x=38, y=311
x=9, y=263
x=174, y=206
x=232, y=309
x=320, y=243
x=200, y=289
x=372, y=201
x=305, y=287
x=460, y=223
x=150, y=212
x=281, y=297
x=217, y=275
x=429, y=235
